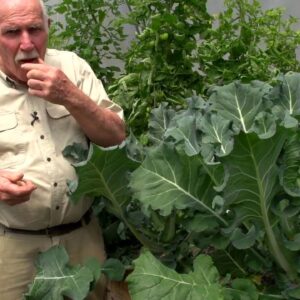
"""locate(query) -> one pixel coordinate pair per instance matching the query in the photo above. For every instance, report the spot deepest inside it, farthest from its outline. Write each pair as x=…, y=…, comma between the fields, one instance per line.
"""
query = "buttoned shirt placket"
x=47, y=151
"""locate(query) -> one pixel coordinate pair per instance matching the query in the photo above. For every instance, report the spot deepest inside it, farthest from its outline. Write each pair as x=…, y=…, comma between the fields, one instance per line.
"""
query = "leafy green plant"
x=57, y=279
x=159, y=65
x=89, y=30
x=181, y=50
x=248, y=43
x=221, y=178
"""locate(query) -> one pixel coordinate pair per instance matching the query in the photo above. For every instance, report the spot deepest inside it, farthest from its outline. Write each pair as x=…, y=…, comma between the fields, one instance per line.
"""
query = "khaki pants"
x=19, y=251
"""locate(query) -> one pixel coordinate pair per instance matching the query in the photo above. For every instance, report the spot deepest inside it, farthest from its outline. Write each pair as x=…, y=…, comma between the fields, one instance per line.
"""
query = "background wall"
x=292, y=6
x=214, y=6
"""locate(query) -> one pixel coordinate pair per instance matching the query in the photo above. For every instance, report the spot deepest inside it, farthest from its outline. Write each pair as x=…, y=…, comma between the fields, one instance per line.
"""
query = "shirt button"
x=48, y=159
x=55, y=184
x=42, y=137
x=57, y=207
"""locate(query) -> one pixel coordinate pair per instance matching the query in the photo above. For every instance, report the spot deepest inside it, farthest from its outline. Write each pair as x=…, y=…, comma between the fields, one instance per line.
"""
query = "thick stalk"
x=273, y=243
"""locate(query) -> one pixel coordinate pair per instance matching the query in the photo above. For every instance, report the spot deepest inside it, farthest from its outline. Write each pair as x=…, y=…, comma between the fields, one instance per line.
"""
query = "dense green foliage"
x=159, y=65
x=221, y=179
x=249, y=43
x=210, y=184
x=179, y=49
x=89, y=30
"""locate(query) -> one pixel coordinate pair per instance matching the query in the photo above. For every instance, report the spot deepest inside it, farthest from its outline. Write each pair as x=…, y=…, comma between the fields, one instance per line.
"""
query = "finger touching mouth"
x=28, y=61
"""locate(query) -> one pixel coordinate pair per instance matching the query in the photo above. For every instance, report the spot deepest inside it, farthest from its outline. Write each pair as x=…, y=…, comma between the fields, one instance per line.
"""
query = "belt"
x=55, y=230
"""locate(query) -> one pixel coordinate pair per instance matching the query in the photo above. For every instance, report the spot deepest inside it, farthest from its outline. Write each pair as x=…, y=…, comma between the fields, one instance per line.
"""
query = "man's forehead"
x=19, y=8
x=22, y=17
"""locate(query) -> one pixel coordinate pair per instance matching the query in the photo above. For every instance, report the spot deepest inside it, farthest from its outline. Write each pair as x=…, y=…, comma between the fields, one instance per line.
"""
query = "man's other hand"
x=14, y=189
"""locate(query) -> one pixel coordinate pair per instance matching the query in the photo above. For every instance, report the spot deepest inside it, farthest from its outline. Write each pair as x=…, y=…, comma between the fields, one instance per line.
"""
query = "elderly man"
x=48, y=100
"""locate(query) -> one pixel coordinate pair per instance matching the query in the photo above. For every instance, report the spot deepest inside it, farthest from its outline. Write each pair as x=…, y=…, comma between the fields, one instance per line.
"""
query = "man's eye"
x=34, y=29
x=11, y=32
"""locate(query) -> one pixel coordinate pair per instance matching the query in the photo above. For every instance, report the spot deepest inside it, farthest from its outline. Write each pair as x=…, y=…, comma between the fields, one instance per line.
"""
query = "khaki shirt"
x=36, y=150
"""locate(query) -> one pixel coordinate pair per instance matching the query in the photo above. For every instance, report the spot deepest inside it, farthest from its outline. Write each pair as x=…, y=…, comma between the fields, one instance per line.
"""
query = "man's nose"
x=26, y=43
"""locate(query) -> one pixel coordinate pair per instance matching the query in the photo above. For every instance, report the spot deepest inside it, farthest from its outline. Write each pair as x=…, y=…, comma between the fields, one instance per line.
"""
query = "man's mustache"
x=26, y=55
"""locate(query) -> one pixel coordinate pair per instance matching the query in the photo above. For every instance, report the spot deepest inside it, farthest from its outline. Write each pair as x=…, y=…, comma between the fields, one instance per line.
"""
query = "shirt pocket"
x=12, y=141
x=65, y=131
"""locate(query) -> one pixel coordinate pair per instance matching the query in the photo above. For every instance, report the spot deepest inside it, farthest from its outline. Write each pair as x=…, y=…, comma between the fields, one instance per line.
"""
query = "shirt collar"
x=9, y=81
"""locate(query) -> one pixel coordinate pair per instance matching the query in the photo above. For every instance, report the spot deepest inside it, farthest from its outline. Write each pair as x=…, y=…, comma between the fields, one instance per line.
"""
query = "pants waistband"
x=55, y=230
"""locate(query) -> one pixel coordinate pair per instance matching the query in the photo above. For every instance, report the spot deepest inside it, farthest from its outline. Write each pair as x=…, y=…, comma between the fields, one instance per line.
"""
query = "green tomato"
x=180, y=25
x=164, y=36
x=152, y=43
x=179, y=37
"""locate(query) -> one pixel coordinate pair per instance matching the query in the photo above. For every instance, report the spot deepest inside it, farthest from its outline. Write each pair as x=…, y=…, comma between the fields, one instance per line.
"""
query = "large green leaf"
x=287, y=94
x=253, y=170
x=217, y=137
x=290, y=177
x=169, y=180
x=106, y=173
x=183, y=129
x=185, y=133
x=55, y=278
x=239, y=103
x=159, y=122
x=252, y=185
x=152, y=280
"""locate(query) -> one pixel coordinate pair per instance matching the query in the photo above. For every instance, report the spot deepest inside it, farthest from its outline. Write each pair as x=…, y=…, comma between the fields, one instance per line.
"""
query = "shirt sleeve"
x=93, y=87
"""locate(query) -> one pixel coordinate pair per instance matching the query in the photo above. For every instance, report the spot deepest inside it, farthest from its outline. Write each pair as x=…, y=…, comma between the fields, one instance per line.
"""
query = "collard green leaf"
x=242, y=240
x=294, y=243
x=254, y=182
x=287, y=94
x=169, y=180
x=152, y=280
x=106, y=173
x=253, y=170
x=200, y=223
x=113, y=269
x=183, y=130
x=134, y=149
x=216, y=132
x=159, y=122
x=265, y=125
x=56, y=279
x=76, y=152
x=241, y=289
x=294, y=292
x=290, y=175
x=239, y=103
x=185, y=133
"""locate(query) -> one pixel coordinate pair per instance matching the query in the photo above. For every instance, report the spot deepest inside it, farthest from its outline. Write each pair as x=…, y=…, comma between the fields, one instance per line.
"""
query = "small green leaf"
x=55, y=278
x=294, y=243
x=76, y=152
x=113, y=269
x=242, y=289
x=294, y=293
x=242, y=240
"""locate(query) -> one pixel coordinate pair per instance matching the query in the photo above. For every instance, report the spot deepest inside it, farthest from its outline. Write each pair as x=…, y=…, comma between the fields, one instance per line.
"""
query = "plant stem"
x=272, y=296
x=274, y=246
x=235, y=262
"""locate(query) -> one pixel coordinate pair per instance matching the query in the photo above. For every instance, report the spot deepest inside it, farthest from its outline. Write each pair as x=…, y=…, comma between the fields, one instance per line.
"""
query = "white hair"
x=45, y=14
x=44, y=9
